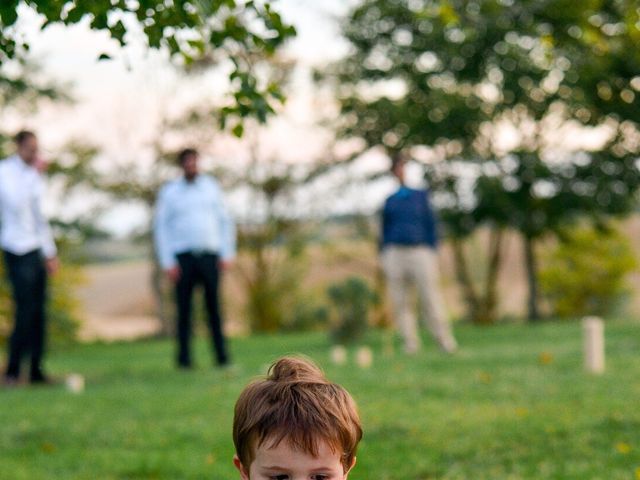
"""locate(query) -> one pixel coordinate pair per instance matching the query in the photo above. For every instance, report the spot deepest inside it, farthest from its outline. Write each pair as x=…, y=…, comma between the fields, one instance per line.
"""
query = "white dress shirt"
x=23, y=226
x=191, y=216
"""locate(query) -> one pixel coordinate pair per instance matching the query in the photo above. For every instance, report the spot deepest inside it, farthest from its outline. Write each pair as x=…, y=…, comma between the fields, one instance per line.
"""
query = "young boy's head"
x=295, y=424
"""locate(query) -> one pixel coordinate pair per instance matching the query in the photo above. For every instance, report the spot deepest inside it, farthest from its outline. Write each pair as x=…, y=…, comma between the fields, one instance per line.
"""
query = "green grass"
x=497, y=410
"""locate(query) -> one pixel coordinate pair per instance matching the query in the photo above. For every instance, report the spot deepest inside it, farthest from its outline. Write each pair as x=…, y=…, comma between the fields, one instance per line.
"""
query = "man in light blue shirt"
x=195, y=240
x=29, y=253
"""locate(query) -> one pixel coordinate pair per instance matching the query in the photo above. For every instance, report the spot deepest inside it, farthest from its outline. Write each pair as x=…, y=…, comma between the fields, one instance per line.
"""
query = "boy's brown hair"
x=297, y=404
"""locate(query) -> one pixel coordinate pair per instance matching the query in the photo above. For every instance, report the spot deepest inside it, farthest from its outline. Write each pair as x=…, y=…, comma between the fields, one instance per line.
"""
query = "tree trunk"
x=481, y=308
x=382, y=316
x=533, y=312
x=489, y=302
x=464, y=279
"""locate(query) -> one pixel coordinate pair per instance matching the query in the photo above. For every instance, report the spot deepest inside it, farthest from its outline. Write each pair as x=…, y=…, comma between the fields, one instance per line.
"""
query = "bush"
x=272, y=266
x=351, y=301
x=272, y=294
x=585, y=274
x=306, y=316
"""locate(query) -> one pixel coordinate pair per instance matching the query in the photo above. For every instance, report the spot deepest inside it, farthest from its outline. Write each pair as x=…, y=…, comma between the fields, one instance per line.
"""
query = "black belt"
x=198, y=252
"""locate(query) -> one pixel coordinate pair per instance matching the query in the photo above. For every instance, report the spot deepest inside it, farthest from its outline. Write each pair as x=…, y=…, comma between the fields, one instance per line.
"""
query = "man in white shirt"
x=29, y=254
x=195, y=239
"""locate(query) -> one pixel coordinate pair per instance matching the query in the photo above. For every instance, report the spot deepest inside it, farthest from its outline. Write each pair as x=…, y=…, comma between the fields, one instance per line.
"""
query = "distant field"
x=117, y=302
x=514, y=404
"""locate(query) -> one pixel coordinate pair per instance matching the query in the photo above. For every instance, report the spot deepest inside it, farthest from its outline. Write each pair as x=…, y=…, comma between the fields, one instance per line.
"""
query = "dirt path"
x=116, y=302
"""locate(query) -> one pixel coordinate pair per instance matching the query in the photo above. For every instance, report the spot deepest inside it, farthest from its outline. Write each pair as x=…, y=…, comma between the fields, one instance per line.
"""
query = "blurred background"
x=520, y=118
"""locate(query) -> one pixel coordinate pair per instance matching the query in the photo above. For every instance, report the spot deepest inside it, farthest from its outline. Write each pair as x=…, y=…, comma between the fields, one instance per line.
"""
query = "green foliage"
x=459, y=64
x=586, y=273
x=239, y=30
x=6, y=309
x=451, y=75
x=306, y=315
x=272, y=274
x=64, y=312
x=24, y=86
x=273, y=247
x=351, y=301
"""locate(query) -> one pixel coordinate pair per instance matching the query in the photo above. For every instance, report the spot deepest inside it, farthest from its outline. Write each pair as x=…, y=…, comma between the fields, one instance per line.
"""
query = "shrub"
x=585, y=274
x=273, y=289
x=306, y=316
x=351, y=301
x=272, y=266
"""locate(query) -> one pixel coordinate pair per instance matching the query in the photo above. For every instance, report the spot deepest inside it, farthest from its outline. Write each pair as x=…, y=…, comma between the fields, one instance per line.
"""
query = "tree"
x=587, y=271
x=239, y=31
x=274, y=242
x=22, y=88
x=140, y=183
x=77, y=170
x=453, y=76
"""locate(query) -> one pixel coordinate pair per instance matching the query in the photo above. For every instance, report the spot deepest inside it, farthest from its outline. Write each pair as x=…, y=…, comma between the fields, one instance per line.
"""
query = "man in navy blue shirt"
x=408, y=248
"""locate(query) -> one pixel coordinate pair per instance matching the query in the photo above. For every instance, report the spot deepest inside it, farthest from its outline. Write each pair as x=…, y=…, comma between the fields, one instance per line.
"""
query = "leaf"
x=100, y=22
x=238, y=130
x=9, y=13
x=118, y=32
x=162, y=27
x=74, y=15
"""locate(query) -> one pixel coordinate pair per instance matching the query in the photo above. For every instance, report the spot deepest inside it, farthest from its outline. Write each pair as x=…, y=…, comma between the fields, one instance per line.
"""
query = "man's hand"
x=224, y=265
x=173, y=273
x=52, y=265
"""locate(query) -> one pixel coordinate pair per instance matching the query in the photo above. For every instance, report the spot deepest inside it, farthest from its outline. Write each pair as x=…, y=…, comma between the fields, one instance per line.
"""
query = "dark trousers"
x=199, y=269
x=28, y=278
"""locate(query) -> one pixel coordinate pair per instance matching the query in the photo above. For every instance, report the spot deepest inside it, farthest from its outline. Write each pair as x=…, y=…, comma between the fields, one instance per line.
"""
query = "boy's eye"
x=285, y=477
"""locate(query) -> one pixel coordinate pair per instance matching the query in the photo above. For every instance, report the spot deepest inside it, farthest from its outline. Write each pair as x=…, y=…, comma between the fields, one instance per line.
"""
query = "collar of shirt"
x=20, y=165
x=404, y=191
x=196, y=181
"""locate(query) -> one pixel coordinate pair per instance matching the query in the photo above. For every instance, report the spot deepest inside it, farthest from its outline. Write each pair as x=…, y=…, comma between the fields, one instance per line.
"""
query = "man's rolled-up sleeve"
x=161, y=232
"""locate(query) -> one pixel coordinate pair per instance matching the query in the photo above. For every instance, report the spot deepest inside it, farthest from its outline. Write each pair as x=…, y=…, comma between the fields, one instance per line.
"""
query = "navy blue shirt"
x=408, y=220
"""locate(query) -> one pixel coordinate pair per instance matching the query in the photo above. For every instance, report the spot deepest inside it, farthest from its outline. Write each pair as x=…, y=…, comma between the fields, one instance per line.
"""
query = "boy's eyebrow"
x=315, y=470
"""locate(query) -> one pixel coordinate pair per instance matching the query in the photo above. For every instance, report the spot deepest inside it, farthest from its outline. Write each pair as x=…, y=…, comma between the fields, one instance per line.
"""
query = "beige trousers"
x=405, y=267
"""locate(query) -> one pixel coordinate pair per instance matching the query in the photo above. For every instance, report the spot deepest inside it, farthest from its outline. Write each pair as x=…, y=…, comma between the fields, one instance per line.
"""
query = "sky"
x=118, y=105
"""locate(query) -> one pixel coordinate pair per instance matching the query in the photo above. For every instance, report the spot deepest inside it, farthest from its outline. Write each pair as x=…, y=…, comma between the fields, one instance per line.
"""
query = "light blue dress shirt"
x=191, y=216
x=23, y=225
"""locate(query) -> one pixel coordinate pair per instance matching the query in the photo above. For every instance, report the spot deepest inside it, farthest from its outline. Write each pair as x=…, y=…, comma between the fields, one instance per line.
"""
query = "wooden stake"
x=593, y=344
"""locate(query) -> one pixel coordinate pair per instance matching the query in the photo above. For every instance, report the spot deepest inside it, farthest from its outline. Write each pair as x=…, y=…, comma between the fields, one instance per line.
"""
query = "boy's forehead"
x=286, y=455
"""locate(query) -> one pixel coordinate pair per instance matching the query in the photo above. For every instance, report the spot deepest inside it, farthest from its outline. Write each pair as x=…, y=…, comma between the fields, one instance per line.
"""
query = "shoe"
x=449, y=348
x=9, y=381
x=412, y=349
x=40, y=378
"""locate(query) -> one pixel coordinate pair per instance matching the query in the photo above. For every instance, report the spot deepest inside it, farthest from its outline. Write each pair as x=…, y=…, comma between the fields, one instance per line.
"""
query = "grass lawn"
x=513, y=404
